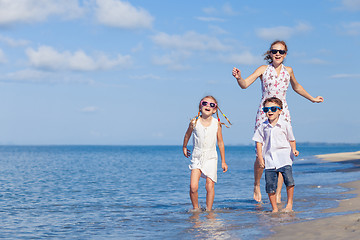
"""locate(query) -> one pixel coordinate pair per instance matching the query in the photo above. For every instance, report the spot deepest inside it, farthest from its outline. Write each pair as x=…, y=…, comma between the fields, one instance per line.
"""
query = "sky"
x=114, y=72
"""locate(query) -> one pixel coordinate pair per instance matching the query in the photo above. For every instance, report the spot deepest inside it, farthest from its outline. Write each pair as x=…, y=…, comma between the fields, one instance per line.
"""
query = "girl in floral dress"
x=275, y=79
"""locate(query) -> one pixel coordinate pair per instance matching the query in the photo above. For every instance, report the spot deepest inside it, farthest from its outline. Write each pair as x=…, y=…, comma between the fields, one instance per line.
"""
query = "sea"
x=142, y=192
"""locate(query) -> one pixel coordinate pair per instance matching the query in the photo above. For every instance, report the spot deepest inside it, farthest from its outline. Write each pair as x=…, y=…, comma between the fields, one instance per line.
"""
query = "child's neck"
x=276, y=65
x=273, y=122
x=206, y=117
x=206, y=120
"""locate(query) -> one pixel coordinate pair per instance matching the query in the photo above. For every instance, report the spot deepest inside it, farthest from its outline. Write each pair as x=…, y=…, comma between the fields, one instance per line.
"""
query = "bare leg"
x=278, y=189
x=290, y=198
x=210, y=193
x=194, y=186
x=258, y=171
x=272, y=198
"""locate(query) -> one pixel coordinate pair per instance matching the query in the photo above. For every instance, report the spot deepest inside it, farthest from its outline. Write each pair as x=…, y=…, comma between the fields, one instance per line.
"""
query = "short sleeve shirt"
x=276, y=147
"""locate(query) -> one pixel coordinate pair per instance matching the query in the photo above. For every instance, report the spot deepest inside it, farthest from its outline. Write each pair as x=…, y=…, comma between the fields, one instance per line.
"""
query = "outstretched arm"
x=300, y=90
x=186, y=140
x=245, y=83
x=221, y=145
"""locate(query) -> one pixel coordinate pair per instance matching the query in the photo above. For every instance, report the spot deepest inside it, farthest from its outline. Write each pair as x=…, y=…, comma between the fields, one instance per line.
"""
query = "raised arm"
x=300, y=90
x=245, y=83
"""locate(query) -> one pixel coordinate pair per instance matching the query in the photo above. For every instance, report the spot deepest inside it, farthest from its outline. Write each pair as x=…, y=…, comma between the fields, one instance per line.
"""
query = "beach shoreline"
x=343, y=226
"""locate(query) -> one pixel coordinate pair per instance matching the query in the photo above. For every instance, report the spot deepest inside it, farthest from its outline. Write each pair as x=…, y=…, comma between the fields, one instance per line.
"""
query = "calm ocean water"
x=141, y=192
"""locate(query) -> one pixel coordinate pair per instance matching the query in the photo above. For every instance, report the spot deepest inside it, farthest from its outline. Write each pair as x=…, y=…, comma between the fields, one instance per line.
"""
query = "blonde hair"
x=195, y=119
x=267, y=54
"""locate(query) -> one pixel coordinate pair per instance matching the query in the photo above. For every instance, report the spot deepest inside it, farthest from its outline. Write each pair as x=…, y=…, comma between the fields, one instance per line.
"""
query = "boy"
x=275, y=148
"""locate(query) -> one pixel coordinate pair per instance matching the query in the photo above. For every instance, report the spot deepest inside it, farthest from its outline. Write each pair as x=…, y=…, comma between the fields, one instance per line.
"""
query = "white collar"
x=279, y=123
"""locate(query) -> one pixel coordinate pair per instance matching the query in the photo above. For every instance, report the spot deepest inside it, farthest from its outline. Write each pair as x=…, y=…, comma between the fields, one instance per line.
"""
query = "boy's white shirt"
x=276, y=149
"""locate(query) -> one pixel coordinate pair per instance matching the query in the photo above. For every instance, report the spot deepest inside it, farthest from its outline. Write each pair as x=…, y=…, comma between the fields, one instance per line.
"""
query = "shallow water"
x=133, y=192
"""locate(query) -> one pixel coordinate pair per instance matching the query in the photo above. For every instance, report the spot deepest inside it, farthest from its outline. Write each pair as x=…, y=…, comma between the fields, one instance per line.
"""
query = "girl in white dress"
x=206, y=131
x=275, y=79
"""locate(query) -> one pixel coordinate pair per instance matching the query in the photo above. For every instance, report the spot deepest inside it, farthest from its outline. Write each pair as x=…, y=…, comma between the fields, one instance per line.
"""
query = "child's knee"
x=210, y=185
x=194, y=188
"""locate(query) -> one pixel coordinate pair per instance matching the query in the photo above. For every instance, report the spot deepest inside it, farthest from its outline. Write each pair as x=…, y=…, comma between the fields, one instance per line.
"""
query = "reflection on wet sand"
x=206, y=225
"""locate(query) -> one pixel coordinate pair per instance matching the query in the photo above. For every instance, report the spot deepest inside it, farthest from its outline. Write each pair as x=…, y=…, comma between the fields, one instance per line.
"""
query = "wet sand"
x=346, y=226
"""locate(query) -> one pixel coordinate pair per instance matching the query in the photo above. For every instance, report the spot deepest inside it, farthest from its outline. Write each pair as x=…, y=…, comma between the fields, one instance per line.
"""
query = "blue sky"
x=133, y=72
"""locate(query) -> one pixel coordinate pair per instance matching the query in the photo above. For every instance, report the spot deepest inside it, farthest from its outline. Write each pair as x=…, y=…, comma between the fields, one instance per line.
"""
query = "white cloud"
x=173, y=60
x=184, y=46
x=12, y=42
x=146, y=76
x=48, y=58
x=2, y=57
x=217, y=30
x=282, y=32
x=245, y=58
x=352, y=28
x=346, y=75
x=89, y=109
x=37, y=76
x=228, y=9
x=210, y=19
x=13, y=11
x=122, y=14
x=209, y=10
x=316, y=61
x=27, y=74
x=189, y=41
x=351, y=5
x=137, y=48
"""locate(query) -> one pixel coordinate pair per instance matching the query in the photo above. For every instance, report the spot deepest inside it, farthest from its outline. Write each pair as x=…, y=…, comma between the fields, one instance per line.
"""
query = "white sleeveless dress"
x=204, y=155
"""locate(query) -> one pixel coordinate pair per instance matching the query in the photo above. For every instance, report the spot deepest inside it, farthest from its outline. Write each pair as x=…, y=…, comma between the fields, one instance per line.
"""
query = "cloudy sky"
x=132, y=72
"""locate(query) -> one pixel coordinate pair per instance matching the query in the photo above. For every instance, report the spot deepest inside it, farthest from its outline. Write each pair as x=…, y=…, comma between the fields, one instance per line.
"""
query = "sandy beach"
x=346, y=226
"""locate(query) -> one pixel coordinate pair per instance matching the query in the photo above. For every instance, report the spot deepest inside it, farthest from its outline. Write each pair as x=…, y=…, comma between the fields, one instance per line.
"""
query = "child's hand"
x=318, y=99
x=187, y=152
x=236, y=73
x=262, y=163
x=224, y=166
x=296, y=153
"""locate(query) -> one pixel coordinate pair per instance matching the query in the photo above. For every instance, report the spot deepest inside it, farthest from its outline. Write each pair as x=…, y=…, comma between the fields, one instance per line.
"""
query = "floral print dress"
x=274, y=85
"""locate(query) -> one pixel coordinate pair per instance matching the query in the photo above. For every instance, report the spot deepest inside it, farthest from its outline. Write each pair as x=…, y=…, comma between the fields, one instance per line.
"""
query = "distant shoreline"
x=346, y=226
x=169, y=145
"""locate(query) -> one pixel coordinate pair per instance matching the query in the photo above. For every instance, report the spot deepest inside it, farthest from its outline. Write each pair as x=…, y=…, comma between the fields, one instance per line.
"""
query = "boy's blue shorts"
x=271, y=178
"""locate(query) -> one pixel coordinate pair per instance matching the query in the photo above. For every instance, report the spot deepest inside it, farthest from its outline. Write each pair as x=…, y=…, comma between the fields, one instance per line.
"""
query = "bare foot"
x=257, y=193
x=195, y=210
x=288, y=209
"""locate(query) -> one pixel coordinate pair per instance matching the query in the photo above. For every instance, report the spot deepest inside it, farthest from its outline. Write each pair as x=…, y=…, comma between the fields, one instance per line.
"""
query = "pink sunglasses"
x=205, y=103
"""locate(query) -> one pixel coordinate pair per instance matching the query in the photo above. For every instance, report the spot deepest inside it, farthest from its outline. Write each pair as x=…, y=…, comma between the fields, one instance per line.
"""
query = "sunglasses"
x=274, y=51
x=205, y=103
x=273, y=109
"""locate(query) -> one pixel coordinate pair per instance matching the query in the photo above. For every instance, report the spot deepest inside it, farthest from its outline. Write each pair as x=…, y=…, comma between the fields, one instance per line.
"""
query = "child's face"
x=273, y=116
x=208, y=107
x=277, y=57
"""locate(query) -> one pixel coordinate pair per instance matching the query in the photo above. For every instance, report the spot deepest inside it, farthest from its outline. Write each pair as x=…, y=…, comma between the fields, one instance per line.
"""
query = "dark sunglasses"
x=273, y=109
x=205, y=103
x=274, y=51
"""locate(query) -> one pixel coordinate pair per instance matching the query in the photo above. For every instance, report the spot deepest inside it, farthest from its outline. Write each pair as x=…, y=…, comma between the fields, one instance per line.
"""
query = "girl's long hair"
x=196, y=118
